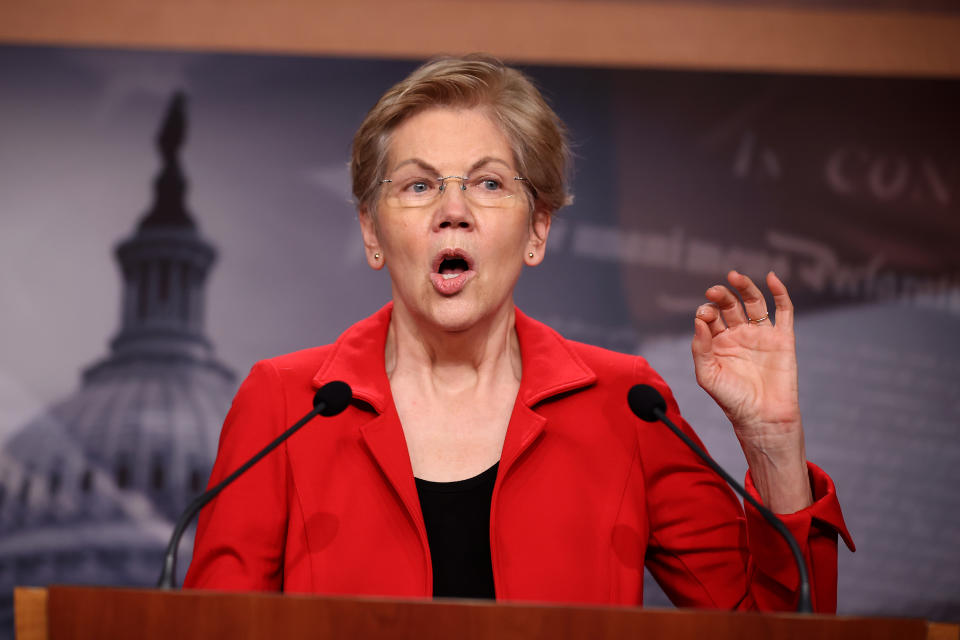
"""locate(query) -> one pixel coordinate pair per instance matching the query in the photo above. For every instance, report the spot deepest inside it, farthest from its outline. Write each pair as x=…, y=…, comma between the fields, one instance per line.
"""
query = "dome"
x=150, y=427
x=90, y=488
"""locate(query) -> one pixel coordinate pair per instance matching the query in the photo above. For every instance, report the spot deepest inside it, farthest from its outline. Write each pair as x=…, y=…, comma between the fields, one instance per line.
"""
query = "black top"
x=457, y=516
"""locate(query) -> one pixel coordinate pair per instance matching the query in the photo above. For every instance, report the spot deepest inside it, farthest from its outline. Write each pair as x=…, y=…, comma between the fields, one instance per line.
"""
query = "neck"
x=454, y=361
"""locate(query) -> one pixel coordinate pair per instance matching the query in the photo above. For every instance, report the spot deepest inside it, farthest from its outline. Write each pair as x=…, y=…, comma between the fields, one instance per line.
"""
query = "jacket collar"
x=550, y=366
x=358, y=359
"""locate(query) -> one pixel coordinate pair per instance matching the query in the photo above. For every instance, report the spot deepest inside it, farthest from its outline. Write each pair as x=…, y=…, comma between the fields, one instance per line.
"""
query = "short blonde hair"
x=537, y=136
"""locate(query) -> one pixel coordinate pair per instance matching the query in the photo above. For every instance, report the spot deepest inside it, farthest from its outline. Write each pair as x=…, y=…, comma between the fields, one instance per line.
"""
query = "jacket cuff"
x=822, y=518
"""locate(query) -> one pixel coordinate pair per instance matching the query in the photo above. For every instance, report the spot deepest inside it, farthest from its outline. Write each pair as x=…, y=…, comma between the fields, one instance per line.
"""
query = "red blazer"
x=586, y=494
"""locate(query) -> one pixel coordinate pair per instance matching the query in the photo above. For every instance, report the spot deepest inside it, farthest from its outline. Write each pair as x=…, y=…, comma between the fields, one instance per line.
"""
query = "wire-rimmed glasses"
x=483, y=189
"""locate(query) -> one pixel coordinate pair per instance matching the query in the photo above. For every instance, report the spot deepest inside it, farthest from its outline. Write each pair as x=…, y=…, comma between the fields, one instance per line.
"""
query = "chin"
x=454, y=315
x=461, y=313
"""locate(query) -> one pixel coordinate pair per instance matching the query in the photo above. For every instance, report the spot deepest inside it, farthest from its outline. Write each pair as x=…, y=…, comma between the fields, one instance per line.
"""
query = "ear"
x=537, y=244
x=371, y=240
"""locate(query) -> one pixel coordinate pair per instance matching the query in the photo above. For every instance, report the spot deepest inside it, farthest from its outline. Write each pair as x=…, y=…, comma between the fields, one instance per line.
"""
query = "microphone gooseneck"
x=329, y=400
x=648, y=404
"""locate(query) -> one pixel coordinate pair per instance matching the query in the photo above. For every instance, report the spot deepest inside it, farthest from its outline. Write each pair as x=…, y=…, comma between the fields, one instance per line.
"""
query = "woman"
x=483, y=454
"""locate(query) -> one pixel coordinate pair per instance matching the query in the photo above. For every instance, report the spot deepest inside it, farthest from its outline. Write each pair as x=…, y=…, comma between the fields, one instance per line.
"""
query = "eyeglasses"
x=484, y=190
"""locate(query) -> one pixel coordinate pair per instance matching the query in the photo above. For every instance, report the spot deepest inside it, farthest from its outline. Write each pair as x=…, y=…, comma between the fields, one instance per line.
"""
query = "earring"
x=376, y=256
x=530, y=254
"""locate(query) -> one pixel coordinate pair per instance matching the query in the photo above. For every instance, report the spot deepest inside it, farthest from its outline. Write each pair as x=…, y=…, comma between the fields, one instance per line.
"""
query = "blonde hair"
x=537, y=136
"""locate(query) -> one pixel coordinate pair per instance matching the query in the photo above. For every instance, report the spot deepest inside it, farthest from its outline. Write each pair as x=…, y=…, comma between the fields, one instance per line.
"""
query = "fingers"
x=710, y=317
x=781, y=301
x=729, y=305
x=727, y=310
x=753, y=301
x=702, y=346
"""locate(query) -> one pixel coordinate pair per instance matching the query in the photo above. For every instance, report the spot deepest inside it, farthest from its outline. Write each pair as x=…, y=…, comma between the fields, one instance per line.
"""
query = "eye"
x=416, y=186
x=489, y=184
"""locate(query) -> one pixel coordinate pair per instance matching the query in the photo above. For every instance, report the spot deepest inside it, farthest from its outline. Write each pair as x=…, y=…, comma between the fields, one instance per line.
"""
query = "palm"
x=750, y=369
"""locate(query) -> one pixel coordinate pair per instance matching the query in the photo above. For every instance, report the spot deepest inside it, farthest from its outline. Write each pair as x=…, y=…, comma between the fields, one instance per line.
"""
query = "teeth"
x=449, y=276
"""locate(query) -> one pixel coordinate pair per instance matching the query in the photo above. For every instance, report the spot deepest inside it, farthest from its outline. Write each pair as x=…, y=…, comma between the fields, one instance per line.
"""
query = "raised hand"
x=748, y=365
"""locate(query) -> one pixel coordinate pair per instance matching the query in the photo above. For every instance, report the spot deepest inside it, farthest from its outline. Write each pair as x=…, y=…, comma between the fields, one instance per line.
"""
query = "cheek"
x=516, y=232
x=510, y=252
x=400, y=238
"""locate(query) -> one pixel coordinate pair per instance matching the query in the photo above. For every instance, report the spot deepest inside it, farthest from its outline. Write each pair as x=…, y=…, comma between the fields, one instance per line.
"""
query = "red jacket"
x=586, y=494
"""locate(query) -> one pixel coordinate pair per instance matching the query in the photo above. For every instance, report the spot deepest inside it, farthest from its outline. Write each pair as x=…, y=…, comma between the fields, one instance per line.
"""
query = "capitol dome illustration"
x=89, y=489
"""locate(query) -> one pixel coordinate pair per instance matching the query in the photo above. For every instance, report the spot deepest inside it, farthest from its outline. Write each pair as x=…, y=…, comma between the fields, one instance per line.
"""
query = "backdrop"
x=848, y=187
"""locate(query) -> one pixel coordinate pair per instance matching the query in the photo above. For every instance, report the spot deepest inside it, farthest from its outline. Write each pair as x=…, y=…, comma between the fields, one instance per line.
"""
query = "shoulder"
x=555, y=365
x=606, y=361
x=356, y=357
x=303, y=362
x=357, y=343
x=272, y=382
x=603, y=362
x=614, y=367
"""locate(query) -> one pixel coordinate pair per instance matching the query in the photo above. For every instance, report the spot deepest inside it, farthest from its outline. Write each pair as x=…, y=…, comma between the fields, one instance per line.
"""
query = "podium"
x=65, y=612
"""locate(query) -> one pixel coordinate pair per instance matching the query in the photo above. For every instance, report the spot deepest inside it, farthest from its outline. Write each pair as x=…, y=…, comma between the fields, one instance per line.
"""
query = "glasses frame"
x=463, y=187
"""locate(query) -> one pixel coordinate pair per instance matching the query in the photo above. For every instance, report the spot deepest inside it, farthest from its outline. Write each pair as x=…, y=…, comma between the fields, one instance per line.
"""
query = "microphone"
x=330, y=399
x=648, y=405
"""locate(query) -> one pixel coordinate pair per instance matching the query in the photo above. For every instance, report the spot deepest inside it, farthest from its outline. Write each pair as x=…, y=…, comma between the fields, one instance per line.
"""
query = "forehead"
x=448, y=139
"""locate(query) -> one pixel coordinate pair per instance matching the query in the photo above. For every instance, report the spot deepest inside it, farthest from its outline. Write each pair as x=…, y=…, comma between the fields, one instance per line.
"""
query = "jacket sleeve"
x=241, y=534
x=704, y=551
x=816, y=529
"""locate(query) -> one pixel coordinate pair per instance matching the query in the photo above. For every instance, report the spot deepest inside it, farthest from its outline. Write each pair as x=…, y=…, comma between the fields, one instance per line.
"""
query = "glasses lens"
x=487, y=189
x=492, y=189
x=412, y=190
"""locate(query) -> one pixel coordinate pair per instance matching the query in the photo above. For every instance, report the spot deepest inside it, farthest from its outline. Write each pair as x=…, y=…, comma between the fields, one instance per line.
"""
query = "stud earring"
x=376, y=256
x=530, y=254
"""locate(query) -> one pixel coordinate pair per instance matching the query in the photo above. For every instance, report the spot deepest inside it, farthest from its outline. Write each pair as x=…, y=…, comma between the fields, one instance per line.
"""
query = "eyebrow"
x=423, y=164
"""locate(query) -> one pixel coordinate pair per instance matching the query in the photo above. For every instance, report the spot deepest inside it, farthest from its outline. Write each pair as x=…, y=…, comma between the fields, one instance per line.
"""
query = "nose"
x=453, y=211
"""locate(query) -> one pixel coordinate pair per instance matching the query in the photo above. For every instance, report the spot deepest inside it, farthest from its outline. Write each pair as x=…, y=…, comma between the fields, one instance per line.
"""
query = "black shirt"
x=457, y=516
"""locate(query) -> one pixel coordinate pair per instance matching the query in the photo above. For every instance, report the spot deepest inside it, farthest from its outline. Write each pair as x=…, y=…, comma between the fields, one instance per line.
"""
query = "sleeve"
x=704, y=551
x=240, y=539
x=816, y=529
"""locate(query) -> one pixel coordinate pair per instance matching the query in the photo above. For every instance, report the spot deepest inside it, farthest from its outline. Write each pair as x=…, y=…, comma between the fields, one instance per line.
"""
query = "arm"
x=816, y=529
x=241, y=535
x=705, y=552
x=748, y=365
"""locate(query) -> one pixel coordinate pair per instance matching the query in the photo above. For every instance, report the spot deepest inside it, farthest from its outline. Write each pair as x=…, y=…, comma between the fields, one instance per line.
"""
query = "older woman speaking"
x=483, y=455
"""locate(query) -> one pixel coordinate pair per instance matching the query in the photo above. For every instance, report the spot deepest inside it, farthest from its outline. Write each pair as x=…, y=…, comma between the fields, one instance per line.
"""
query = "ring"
x=758, y=320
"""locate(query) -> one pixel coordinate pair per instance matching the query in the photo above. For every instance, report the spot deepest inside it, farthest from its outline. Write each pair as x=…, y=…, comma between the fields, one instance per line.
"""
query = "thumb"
x=702, y=349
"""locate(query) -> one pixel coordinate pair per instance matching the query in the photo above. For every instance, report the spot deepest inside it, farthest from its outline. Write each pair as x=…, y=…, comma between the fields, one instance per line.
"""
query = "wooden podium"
x=61, y=613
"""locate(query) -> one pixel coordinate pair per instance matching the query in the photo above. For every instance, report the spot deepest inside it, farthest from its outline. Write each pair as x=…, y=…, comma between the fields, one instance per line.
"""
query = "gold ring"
x=758, y=320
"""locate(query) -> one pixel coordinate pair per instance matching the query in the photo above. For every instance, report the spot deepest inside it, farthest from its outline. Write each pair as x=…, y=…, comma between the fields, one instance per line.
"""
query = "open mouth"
x=452, y=268
x=450, y=263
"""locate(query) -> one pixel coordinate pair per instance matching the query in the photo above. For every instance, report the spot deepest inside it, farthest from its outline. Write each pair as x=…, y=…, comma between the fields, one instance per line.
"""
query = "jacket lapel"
x=358, y=360
x=384, y=438
x=550, y=368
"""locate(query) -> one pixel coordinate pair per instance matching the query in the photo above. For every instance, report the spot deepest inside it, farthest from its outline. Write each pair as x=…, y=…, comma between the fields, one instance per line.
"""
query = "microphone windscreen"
x=644, y=400
x=334, y=397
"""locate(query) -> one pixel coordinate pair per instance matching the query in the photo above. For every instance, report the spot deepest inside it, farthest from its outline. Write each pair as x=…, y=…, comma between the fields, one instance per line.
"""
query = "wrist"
x=781, y=477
